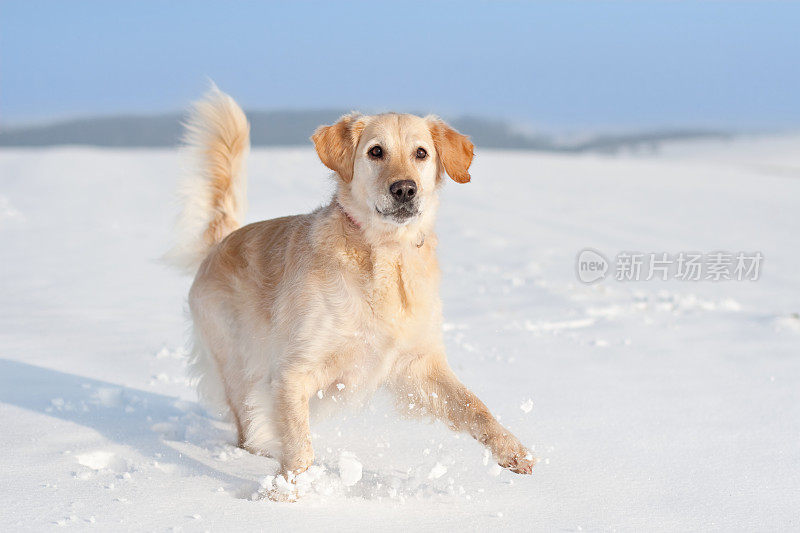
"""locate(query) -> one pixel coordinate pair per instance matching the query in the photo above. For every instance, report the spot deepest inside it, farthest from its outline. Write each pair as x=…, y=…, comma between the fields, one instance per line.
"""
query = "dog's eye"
x=421, y=153
x=376, y=152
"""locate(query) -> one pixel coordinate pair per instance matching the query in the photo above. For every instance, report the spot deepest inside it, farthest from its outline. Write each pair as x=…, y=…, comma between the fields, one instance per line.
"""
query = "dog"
x=332, y=304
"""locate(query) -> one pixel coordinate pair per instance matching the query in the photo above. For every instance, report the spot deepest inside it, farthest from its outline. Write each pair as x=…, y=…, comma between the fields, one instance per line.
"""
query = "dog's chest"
x=402, y=290
x=393, y=309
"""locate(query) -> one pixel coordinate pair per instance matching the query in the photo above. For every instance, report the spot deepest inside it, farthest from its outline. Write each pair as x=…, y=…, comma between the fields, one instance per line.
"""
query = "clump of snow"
x=102, y=460
x=284, y=488
x=350, y=469
x=313, y=479
x=289, y=488
x=526, y=406
x=437, y=471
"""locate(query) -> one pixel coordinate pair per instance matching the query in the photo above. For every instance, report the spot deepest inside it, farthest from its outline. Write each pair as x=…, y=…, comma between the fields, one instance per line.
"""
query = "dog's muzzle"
x=400, y=214
x=400, y=204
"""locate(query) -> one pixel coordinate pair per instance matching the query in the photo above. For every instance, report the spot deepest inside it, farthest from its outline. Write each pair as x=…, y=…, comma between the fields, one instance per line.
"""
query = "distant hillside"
x=293, y=128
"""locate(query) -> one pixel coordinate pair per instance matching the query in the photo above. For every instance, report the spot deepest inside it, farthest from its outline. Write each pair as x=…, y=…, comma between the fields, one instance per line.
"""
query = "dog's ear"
x=336, y=144
x=454, y=149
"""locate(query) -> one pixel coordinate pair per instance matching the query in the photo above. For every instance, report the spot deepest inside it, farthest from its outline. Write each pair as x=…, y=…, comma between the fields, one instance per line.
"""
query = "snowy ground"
x=652, y=405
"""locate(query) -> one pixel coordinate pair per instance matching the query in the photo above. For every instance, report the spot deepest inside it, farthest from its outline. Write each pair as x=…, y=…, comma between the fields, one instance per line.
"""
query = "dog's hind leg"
x=213, y=389
x=216, y=368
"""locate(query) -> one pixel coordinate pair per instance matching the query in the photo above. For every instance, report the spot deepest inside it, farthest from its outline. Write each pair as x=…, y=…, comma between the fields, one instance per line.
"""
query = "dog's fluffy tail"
x=217, y=141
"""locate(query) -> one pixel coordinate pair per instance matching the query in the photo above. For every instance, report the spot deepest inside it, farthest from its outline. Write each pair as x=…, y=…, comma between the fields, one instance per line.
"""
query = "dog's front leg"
x=428, y=385
x=291, y=415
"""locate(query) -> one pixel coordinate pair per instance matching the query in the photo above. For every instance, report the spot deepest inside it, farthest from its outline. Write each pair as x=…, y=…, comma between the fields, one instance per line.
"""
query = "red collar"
x=352, y=220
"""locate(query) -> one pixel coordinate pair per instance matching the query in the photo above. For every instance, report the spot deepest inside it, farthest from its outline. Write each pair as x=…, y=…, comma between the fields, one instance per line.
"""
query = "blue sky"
x=557, y=65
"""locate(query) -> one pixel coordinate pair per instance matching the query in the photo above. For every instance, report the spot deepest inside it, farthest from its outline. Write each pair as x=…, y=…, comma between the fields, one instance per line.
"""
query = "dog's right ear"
x=336, y=144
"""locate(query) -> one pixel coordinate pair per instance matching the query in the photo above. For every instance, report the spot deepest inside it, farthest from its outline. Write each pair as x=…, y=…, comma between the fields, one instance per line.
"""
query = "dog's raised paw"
x=517, y=458
x=521, y=465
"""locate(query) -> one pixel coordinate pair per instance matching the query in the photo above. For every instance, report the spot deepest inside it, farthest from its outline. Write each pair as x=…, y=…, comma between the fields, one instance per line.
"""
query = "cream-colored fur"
x=348, y=294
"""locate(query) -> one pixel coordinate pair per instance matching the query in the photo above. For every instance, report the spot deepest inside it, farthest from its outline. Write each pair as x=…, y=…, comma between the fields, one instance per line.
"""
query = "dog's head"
x=391, y=165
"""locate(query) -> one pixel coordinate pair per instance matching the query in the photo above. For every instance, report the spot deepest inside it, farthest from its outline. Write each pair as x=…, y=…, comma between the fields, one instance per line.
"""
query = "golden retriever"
x=332, y=304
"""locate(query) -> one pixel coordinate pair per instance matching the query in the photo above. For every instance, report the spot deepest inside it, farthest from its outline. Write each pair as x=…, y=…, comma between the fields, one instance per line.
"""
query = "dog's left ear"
x=336, y=144
x=455, y=150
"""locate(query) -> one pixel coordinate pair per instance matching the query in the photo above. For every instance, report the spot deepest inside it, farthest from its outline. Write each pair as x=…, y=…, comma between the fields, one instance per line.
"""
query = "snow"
x=526, y=406
x=437, y=471
x=350, y=469
x=102, y=460
x=653, y=405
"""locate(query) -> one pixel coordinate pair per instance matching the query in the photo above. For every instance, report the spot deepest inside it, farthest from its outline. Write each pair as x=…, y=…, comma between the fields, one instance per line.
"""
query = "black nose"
x=403, y=190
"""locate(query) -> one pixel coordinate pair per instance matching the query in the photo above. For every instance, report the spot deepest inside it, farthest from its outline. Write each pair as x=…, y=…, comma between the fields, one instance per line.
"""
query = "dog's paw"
x=281, y=488
x=283, y=496
x=520, y=464
x=512, y=455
